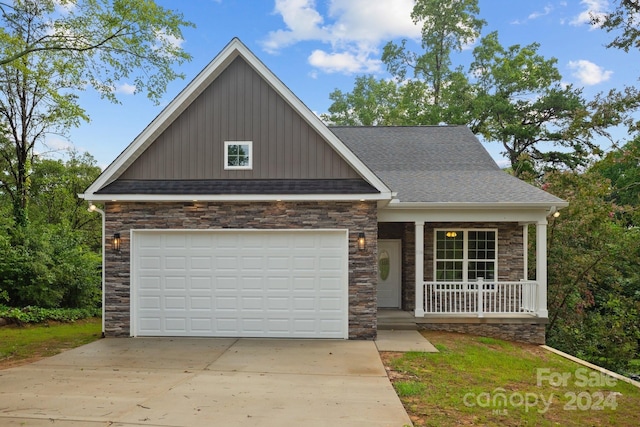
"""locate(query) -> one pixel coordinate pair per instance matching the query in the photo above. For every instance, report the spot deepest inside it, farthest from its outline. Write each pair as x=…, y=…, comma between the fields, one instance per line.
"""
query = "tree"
x=52, y=49
x=593, y=277
x=625, y=18
x=371, y=103
x=54, y=189
x=446, y=27
x=522, y=104
x=620, y=167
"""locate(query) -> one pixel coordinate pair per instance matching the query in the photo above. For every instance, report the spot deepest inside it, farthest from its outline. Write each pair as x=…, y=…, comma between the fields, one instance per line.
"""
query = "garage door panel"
x=150, y=262
x=251, y=284
x=198, y=262
x=200, y=283
x=150, y=303
x=150, y=283
x=201, y=303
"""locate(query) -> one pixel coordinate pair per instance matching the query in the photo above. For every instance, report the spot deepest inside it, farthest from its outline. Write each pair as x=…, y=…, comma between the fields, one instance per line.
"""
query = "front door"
x=389, y=273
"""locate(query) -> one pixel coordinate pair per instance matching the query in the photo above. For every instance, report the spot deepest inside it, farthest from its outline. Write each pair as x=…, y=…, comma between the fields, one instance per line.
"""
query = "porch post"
x=541, y=267
x=525, y=250
x=419, y=269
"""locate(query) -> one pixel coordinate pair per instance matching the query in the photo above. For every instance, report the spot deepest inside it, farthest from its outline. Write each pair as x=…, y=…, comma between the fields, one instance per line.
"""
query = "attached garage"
x=239, y=283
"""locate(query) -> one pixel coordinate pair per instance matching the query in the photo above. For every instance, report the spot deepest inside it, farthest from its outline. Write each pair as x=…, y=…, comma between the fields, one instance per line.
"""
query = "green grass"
x=489, y=382
x=18, y=343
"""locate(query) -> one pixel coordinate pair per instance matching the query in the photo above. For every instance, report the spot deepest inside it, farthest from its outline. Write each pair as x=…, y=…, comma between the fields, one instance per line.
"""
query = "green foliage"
x=511, y=95
x=620, y=166
x=594, y=280
x=446, y=27
x=39, y=315
x=50, y=50
x=623, y=18
x=521, y=103
x=371, y=103
x=54, y=189
x=47, y=266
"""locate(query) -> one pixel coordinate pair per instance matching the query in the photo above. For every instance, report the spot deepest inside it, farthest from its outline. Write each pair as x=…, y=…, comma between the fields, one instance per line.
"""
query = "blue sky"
x=316, y=46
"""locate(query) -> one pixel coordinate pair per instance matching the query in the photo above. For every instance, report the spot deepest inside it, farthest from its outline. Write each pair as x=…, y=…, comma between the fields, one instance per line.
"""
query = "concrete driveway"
x=203, y=382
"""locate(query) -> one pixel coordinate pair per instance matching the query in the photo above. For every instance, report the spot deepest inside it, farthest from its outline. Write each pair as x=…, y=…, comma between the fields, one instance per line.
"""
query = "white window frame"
x=464, y=285
x=227, y=144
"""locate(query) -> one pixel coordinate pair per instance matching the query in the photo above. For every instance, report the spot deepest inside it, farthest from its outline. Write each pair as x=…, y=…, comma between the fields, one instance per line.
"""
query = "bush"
x=39, y=315
x=49, y=267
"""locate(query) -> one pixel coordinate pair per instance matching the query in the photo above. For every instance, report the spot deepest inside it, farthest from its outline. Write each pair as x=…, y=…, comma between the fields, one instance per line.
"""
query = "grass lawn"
x=488, y=382
x=24, y=344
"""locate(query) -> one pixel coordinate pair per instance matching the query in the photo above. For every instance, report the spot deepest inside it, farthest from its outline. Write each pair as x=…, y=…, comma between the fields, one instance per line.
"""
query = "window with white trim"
x=238, y=155
x=465, y=255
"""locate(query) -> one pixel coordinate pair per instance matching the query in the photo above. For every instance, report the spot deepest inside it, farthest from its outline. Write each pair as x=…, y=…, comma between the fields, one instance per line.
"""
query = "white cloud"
x=354, y=29
x=126, y=89
x=589, y=73
x=537, y=14
x=594, y=9
x=345, y=62
x=303, y=23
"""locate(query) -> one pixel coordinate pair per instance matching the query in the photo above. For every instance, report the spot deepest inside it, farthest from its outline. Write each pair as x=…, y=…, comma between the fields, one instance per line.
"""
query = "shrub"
x=39, y=315
x=49, y=266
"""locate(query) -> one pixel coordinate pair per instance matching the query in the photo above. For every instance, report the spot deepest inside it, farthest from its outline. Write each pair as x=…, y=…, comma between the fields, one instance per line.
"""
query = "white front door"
x=389, y=273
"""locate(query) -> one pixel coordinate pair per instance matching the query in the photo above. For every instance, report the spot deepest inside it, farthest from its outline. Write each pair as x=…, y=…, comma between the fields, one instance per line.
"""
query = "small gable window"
x=238, y=155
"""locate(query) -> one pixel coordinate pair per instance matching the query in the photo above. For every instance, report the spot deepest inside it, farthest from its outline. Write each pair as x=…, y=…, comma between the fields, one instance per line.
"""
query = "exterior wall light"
x=361, y=241
x=451, y=234
x=115, y=243
x=556, y=214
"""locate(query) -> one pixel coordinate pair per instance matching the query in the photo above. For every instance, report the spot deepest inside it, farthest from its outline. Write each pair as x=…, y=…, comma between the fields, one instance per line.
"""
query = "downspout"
x=94, y=208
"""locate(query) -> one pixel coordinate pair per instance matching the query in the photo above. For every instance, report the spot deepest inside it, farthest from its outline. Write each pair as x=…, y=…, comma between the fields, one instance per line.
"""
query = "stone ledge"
x=530, y=320
x=521, y=332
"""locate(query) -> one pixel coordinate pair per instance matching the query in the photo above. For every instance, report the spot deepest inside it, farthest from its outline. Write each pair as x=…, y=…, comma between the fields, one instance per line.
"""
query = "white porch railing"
x=480, y=298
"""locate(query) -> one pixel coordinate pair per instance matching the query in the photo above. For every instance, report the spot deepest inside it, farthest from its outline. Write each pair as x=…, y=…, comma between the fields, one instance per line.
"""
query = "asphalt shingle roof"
x=437, y=164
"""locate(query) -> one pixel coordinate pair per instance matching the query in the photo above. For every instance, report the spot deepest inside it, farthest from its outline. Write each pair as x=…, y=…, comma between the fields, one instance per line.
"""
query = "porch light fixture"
x=361, y=241
x=115, y=243
x=556, y=214
x=451, y=234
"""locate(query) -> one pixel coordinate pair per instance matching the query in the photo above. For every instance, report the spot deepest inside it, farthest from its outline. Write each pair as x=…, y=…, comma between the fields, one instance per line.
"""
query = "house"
x=238, y=213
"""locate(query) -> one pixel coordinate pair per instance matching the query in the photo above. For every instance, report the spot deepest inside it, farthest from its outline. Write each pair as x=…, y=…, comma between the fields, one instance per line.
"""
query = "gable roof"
x=439, y=165
x=235, y=49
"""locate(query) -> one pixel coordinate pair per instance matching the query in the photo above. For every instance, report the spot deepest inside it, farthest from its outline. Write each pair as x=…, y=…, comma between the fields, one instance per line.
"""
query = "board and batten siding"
x=239, y=106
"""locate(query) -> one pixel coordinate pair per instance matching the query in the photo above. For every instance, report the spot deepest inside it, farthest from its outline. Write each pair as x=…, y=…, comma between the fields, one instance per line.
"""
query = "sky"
x=317, y=46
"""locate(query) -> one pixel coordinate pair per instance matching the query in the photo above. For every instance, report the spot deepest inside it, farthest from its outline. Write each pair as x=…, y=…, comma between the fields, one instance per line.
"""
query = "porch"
x=464, y=276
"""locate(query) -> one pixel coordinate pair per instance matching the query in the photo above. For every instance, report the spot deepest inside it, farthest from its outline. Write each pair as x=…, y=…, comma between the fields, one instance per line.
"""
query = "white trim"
x=180, y=103
x=465, y=256
x=549, y=206
x=230, y=197
x=226, y=155
x=453, y=214
x=419, y=269
x=133, y=271
x=525, y=251
x=541, y=267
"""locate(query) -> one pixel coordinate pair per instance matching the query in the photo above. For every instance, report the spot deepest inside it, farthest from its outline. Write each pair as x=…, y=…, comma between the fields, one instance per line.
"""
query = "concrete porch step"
x=393, y=319
x=399, y=326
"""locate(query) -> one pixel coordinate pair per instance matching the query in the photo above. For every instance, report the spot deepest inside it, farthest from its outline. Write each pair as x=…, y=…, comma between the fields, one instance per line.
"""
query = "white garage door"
x=240, y=283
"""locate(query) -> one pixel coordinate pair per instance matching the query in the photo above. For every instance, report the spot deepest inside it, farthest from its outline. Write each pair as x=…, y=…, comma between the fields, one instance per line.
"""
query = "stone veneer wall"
x=531, y=333
x=357, y=217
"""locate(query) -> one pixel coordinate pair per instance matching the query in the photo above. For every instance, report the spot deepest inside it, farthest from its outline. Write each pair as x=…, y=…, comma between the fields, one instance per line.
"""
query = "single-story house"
x=238, y=213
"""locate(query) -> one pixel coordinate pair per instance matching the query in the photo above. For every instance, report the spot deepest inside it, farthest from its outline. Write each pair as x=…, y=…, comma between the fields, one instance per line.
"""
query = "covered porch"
x=466, y=270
